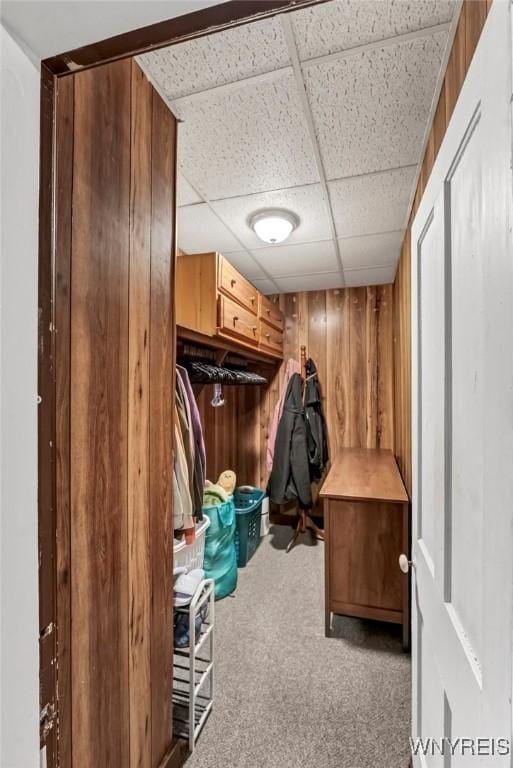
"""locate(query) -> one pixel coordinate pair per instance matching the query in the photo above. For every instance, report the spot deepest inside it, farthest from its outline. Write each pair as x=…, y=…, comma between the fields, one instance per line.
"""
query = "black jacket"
x=290, y=475
x=315, y=423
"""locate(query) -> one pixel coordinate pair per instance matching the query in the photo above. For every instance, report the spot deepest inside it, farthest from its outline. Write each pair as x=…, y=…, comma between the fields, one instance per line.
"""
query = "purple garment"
x=197, y=429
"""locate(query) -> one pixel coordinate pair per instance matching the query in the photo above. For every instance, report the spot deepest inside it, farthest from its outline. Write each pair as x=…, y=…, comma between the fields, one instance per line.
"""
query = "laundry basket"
x=190, y=556
x=248, y=511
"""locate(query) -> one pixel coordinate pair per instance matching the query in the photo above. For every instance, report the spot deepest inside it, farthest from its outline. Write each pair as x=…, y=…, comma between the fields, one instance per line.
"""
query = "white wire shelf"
x=192, y=697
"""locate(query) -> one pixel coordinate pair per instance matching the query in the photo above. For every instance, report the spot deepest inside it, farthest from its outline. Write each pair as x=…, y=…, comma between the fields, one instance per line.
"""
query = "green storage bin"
x=220, y=561
x=248, y=513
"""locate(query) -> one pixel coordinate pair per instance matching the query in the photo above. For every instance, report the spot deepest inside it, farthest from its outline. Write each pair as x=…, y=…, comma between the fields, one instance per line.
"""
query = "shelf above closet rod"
x=216, y=343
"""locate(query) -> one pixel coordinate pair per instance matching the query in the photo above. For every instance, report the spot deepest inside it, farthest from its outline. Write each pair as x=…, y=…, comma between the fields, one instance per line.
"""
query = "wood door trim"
x=63, y=235
x=176, y=30
x=46, y=384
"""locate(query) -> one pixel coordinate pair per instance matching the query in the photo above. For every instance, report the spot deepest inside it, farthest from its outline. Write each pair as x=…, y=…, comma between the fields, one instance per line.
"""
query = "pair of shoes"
x=181, y=629
x=186, y=584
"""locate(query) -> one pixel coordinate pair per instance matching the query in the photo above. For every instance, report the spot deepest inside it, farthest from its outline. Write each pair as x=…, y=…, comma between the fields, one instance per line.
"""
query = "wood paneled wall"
x=235, y=433
x=402, y=364
x=114, y=362
x=471, y=21
x=348, y=333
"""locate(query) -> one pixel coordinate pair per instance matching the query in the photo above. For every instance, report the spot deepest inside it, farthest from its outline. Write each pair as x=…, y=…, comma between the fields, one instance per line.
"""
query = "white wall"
x=48, y=27
x=19, y=661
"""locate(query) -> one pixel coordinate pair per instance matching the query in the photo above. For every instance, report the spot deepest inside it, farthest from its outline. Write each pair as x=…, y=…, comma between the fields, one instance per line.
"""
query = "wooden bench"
x=366, y=522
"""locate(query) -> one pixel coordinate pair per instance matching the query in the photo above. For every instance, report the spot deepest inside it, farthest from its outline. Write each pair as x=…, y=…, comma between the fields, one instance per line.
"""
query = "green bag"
x=220, y=557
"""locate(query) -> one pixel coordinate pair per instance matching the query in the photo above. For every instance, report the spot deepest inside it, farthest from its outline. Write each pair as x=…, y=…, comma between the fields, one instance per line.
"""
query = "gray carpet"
x=287, y=696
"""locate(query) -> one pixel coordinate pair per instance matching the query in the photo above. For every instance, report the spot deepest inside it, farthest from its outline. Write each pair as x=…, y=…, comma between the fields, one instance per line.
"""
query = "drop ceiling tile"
x=300, y=258
x=199, y=230
x=364, y=205
x=379, y=276
x=337, y=26
x=245, y=264
x=306, y=202
x=371, y=250
x=409, y=15
x=370, y=109
x=313, y=282
x=264, y=285
x=214, y=60
x=185, y=194
x=245, y=139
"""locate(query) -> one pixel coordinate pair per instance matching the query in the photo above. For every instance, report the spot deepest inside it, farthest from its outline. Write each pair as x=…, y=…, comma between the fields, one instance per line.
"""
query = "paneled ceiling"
x=324, y=112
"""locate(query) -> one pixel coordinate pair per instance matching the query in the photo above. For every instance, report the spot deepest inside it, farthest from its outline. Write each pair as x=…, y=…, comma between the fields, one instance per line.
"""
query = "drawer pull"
x=267, y=335
x=251, y=327
x=272, y=316
x=233, y=282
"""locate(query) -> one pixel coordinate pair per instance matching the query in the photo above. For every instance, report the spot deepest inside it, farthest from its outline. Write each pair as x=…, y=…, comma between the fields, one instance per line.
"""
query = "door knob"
x=405, y=564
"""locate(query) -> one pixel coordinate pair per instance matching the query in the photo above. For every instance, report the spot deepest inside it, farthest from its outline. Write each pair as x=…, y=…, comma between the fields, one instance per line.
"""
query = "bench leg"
x=406, y=637
x=327, y=624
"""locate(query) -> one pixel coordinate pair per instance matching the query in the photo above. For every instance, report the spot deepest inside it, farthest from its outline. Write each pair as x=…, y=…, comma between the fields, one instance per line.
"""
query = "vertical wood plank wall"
x=99, y=412
x=115, y=248
x=348, y=333
x=162, y=388
x=234, y=432
x=471, y=21
x=139, y=571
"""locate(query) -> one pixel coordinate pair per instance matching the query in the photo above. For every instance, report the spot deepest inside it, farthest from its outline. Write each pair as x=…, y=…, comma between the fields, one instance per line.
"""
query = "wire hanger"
x=218, y=398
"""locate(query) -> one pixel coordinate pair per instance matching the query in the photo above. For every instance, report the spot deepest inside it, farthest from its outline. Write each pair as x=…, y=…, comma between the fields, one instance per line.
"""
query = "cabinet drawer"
x=271, y=313
x=236, y=321
x=270, y=338
x=236, y=287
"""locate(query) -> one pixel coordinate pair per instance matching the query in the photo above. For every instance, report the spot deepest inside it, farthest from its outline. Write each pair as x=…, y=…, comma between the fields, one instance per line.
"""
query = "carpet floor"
x=286, y=696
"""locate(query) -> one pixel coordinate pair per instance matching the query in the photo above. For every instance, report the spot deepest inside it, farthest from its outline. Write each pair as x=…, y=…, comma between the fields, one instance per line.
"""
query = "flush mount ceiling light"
x=273, y=225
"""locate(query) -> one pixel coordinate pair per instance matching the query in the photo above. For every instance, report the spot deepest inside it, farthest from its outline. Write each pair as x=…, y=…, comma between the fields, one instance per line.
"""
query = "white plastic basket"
x=264, y=523
x=191, y=556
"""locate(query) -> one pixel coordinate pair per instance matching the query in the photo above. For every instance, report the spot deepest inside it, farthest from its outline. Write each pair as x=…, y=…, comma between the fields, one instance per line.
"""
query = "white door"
x=462, y=329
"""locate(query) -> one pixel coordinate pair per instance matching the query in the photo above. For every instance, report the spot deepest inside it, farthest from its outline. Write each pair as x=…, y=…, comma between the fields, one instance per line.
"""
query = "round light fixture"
x=273, y=225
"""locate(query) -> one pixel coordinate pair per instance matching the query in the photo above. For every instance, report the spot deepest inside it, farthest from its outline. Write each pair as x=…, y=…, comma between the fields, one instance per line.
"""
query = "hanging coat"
x=315, y=423
x=186, y=432
x=199, y=468
x=183, y=509
x=290, y=475
x=291, y=368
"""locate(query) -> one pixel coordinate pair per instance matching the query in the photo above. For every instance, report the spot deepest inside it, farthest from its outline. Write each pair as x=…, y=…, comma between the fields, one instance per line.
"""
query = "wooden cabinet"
x=235, y=286
x=366, y=521
x=196, y=292
x=270, y=313
x=270, y=338
x=214, y=300
x=236, y=321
